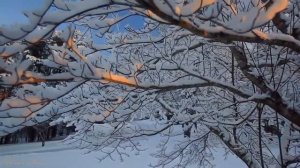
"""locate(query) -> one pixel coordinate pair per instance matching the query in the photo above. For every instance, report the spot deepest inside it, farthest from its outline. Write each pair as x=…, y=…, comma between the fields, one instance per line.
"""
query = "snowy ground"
x=58, y=155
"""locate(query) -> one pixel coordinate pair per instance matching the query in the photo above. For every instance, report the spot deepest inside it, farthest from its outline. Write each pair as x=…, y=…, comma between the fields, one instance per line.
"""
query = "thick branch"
x=237, y=149
x=223, y=35
x=275, y=101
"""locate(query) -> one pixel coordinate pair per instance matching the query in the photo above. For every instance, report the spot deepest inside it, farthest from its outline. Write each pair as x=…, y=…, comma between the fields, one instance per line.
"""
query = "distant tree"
x=198, y=71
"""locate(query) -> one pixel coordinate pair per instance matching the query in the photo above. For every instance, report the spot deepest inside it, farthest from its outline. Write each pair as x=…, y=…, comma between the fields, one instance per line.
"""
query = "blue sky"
x=11, y=11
